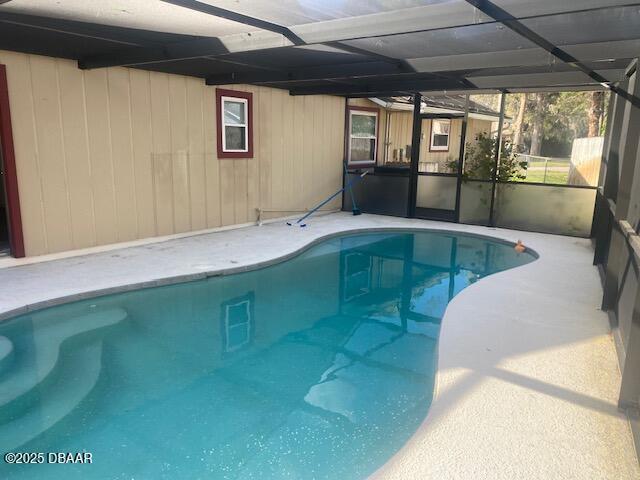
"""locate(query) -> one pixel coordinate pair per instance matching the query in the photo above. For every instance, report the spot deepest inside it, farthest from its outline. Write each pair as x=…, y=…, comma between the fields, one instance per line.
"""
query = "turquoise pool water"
x=319, y=367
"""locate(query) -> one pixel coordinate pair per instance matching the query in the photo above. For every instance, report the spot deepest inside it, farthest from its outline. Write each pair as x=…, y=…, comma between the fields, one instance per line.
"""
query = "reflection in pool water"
x=318, y=367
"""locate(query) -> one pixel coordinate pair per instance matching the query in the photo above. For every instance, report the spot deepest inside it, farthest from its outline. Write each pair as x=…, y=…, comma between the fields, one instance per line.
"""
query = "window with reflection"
x=440, y=135
x=237, y=323
x=234, y=116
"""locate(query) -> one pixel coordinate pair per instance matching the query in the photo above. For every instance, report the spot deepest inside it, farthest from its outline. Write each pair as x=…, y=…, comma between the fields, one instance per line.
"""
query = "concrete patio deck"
x=527, y=377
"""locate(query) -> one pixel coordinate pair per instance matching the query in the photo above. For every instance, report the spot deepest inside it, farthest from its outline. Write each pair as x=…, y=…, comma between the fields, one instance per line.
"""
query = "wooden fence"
x=586, y=155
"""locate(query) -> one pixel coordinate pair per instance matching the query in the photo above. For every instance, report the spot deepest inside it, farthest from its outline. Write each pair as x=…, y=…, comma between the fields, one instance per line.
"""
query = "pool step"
x=27, y=374
x=6, y=354
x=84, y=365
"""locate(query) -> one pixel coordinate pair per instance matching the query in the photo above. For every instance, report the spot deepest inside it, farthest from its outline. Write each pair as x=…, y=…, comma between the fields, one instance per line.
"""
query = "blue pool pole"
x=322, y=204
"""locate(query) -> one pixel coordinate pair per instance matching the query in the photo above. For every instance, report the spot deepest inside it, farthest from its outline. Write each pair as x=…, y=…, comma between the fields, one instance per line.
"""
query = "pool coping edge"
x=195, y=276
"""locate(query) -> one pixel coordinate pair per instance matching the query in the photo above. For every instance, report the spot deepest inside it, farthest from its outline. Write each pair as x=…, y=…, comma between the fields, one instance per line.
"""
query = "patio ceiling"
x=378, y=47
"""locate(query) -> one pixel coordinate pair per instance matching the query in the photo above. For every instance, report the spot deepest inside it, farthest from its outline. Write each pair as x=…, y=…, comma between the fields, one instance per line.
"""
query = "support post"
x=621, y=161
x=463, y=135
x=453, y=270
x=630, y=385
x=496, y=160
x=628, y=151
x=415, y=155
x=407, y=281
x=345, y=150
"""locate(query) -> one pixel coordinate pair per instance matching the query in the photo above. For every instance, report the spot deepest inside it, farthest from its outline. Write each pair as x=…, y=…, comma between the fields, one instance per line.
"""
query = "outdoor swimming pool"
x=318, y=367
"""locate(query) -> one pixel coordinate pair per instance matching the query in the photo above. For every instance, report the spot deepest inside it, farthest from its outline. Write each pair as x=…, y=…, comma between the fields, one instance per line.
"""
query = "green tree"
x=547, y=123
x=479, y=163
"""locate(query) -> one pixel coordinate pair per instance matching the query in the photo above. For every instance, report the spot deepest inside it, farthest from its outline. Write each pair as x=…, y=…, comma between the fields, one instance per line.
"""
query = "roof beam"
x=361, y=51
x=552, y=79
x=509, y=21
x=128, y=38
x=587, y=52
x=384, y=87
x=328, y=72
x=606, y=68
x=413, y=83
x=140, y=56
x=238, y=17
x=574, y=88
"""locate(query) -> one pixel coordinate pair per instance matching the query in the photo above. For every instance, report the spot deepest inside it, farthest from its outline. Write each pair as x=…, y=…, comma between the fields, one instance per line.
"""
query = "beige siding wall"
x=476, y=126
x=117, y=154
x=400, y=135
x=454, y=143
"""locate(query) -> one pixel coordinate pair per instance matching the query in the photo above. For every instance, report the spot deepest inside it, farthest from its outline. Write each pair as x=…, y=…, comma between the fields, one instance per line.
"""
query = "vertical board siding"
x=297, y=173
x=240, y=192
x=253, y=165
x=51, y=151
x=196, y=154
x=264, y=135
x=277, y=150
x=96, y=101
x=162, y=169
x=76, y=143
x=179, y=153
x=116, y=154
x=226, y=190
x=122, y=154
x=141, y=135
x=212, y=165
x=307, y=135
x=288, y=136
x=455, y=133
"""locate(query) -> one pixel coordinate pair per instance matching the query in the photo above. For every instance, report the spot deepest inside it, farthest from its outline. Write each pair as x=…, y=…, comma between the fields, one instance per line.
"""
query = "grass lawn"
x=549, y=164
x=552, y=177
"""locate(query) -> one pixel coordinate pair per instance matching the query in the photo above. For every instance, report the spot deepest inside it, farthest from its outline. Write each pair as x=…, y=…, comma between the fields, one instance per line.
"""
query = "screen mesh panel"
x=527, y=8
x=451, y=41
x=299, y=12
x=588, y=27
x=141, y=14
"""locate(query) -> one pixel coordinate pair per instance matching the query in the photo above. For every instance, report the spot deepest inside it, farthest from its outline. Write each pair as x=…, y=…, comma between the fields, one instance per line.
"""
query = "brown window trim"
x=431, y=129
x=16, y=239
x=348, y=135
x=248, y=96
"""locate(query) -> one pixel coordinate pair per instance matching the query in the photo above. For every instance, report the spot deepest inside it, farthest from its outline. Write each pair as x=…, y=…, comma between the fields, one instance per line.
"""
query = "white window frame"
x=374, y=137
x=245, y=103
x=246, y=325
x=440, y=148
